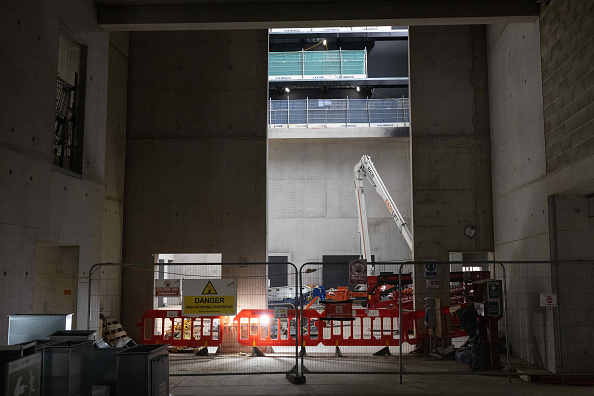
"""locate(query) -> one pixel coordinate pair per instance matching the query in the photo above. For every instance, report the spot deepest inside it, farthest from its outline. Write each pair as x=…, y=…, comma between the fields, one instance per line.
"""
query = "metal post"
x=400, y=322
x=307, y=112
x=288, y=115
x=368, y=115
x=506, y=323
x=347, y=112
x=340, y=53
x=559, y=330
x=89, y=294
x=298, y=335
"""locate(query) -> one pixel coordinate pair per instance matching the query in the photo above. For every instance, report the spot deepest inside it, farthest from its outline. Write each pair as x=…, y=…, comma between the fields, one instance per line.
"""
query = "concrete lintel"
x=268, y=14
x=336, y=133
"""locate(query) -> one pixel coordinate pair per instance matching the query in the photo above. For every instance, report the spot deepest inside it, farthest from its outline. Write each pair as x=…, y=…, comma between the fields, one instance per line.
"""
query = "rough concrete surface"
x=365, y=384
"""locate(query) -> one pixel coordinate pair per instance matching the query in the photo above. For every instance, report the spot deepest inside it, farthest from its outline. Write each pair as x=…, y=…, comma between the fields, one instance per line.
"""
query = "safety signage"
x=430, y=270
x=548, y=299
x=209, y=297
x=493, y=308
x=339, y=310
x=357, y=272
x=432, y=284
x=23, y=376
x=494, y=290
x=167, y=287
x=281, y=312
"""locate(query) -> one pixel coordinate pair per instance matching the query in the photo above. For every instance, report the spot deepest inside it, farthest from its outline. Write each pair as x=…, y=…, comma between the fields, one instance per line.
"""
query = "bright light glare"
x=264, y=319
x=358, y=89
x=287, y=89
x=324, y=42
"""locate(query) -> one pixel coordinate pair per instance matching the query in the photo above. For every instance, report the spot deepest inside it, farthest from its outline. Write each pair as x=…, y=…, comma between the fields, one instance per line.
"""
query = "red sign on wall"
x=167, y=287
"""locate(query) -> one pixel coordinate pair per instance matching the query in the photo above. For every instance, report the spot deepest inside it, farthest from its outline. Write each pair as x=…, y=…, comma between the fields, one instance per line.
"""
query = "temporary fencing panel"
x=510, y=318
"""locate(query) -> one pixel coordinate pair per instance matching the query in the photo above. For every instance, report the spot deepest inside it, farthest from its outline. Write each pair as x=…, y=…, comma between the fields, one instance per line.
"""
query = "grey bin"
x=105, y=368
x=24, y=328
x=67, y=368
x=143, y=370
x=74, y=335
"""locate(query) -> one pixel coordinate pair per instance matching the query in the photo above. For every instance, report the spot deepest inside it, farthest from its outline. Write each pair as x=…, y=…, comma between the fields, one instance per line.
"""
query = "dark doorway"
x=278, y=273
x=336, y=270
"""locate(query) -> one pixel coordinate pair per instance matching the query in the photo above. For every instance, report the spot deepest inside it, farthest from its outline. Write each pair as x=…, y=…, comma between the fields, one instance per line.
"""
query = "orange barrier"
x=258, y=327
x=170, y=327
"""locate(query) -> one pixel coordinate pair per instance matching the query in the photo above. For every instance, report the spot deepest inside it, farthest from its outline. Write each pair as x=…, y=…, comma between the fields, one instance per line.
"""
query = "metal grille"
x=65, y=147
x=316, y=113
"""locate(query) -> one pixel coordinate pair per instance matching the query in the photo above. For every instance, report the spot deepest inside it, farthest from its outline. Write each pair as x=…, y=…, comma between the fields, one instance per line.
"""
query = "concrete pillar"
x=451, y=171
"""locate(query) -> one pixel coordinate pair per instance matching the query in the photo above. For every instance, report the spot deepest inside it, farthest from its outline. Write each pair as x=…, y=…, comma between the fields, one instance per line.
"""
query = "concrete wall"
x=38, y=203
x=541, y=126
x=451, y=166
x=520, y=212
x=311, y=202
x=106, y=296
x=567, y=54
x=572, y=226
x=195, y=155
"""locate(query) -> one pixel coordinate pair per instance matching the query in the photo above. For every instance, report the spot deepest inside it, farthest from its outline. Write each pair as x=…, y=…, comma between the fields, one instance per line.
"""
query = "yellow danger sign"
x=209, y=289
x=214, y=297
x=220, y=305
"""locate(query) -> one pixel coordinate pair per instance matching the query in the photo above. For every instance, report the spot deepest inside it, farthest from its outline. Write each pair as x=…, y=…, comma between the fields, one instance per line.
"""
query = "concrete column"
x=451, y=170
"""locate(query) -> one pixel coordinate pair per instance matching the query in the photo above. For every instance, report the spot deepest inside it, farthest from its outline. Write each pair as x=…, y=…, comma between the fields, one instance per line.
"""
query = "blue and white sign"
x=430, y=270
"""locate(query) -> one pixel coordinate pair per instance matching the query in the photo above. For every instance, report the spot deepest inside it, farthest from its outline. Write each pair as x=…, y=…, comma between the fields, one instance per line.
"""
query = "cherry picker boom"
x=365, y=168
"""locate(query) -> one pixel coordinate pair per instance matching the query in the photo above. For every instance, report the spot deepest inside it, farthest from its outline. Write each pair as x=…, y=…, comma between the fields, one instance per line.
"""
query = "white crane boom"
x=365, y=168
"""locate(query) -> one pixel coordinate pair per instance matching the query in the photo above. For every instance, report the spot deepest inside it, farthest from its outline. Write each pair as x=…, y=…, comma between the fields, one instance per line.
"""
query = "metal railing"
x=338, y=113
x=317, y=65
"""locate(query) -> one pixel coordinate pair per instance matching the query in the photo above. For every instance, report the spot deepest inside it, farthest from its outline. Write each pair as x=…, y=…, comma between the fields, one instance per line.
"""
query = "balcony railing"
x=338, y=113
x=321, y=65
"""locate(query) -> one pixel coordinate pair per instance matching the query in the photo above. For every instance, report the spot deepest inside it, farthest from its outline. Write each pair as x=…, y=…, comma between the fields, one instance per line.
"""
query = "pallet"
x=113, y=332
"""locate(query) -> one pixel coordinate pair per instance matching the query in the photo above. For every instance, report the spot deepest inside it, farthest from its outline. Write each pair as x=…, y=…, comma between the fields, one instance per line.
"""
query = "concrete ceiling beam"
x=278, y=14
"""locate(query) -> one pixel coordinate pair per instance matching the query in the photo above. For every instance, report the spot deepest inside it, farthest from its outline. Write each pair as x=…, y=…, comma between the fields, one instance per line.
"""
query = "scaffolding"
x=341, y=64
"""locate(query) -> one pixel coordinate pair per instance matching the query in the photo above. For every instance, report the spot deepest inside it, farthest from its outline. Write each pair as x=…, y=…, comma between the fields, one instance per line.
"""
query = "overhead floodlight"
x=358, y=89
x=287, y=89
x=324, y=42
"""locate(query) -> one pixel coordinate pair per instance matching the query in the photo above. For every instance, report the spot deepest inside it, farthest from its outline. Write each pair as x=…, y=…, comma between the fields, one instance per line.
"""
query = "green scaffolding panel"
x=317, y=63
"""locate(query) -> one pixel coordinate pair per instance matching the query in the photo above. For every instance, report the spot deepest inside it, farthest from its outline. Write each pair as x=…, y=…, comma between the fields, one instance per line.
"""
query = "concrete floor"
x=365, y=384
x=438, y=376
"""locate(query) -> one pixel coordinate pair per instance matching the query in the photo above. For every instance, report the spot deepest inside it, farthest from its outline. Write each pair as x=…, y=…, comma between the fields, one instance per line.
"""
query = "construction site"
x=283, y=197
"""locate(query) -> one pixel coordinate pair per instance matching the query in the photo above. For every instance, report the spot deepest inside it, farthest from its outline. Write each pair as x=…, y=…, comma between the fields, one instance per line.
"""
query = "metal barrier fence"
x=504, y=318
x=338, y=113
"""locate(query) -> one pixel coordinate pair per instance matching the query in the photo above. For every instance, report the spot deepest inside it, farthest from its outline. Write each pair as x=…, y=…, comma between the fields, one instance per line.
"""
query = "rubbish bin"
x=23, y=328
x=67, y=368
x=143, y=370
x=105, y=368
x=74, y=335
x=21, y=376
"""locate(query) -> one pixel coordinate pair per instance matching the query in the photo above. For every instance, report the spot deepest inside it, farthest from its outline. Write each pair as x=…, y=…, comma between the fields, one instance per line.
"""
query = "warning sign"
x=209, y=289
x=209, y=297
x=167, y=287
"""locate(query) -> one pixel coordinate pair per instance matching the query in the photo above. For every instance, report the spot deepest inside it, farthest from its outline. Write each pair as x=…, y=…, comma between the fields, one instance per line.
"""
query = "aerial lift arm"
x=365, y=168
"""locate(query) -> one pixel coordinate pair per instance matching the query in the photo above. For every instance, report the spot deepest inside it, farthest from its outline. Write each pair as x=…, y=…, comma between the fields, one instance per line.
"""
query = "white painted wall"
x=37, y=203
x=311, y=198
